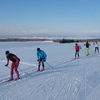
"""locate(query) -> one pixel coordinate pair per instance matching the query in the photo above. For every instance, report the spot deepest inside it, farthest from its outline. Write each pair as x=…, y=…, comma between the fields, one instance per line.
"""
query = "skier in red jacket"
x=77, y=48
x=14, y=66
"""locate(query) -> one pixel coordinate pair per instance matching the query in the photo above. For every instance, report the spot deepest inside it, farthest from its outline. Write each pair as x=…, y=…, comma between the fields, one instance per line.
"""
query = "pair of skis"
x=39, y=70
x=4, y=81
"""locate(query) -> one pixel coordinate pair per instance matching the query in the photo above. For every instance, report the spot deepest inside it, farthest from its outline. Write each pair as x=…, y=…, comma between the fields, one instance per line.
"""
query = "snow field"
x=63, y=78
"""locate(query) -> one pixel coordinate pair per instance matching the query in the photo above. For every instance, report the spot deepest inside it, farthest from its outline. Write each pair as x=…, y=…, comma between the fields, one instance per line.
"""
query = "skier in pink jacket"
x=14, y=66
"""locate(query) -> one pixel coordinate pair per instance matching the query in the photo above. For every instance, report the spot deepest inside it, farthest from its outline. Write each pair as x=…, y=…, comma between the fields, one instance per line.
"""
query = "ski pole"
x=8, y=67
x=83, y=51
x=24, y=72
x=50, y=65
x=21, y=71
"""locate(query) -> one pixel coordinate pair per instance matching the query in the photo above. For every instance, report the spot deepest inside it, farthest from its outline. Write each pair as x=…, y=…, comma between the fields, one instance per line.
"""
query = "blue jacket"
x=41, y=54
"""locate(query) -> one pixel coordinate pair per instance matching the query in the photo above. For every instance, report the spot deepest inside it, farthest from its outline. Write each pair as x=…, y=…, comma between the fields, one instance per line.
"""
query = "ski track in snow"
x=57, y=82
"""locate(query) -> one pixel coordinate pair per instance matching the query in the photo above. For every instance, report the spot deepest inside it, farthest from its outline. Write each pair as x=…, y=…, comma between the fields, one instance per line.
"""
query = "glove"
x=38, y=60
x=6, y=65
x=15, y=65
x=44, y=60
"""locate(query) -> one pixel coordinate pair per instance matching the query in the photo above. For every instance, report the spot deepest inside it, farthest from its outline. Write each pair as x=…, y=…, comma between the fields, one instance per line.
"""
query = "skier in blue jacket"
x=41, y=58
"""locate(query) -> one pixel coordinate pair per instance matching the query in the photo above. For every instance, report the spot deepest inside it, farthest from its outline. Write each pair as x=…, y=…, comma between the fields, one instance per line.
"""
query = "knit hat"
x=38, y=49
x=7, y=52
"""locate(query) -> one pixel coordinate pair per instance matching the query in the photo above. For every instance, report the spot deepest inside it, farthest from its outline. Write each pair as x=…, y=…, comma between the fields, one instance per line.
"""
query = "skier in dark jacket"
x=41, y=58
x=87, y=47
x=14, y=66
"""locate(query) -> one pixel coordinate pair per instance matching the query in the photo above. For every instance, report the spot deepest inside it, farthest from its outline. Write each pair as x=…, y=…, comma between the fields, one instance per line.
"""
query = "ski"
x=5, y=81
x=76, y=58
x=39, y=71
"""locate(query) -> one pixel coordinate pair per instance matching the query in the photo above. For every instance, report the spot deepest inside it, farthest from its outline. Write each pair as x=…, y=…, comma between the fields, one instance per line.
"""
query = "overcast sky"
x=49, y=17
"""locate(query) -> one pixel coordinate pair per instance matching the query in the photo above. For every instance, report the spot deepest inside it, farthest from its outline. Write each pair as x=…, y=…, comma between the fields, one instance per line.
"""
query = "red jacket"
x=77, y=47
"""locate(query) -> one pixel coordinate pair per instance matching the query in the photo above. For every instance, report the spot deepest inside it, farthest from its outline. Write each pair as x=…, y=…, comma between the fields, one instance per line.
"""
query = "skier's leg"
x=98, y=49
x=78, y=54
x=87, y=51
x=95, y=49
x=16, y=71
x=39, y=63
x=75, y=54
x=11, y=71
x=42, y=65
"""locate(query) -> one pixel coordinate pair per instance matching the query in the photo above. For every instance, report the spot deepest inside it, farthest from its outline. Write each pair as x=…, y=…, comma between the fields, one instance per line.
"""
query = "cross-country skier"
x=87, y=47
x=14, y=66
x=41, y=58
x=96, y=46
x=77, y=48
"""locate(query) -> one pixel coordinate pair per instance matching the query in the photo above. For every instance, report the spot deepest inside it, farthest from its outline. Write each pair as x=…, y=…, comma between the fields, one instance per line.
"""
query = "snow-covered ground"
x=63, y=78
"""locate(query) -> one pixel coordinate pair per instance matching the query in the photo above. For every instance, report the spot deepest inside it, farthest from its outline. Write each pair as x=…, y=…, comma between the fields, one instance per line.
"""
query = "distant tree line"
x=67, y=41
x=21, y=39
x=44, y=39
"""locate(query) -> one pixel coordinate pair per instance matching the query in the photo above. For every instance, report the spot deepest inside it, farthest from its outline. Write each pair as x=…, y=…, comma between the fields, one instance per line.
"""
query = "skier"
x=41, y=58
x=77, y=48
x=14, y=66
x=87, y=47
x=96, y=46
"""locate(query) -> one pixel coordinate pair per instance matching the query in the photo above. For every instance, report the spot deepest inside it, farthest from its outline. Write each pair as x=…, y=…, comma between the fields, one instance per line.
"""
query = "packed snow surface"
x=63, y=78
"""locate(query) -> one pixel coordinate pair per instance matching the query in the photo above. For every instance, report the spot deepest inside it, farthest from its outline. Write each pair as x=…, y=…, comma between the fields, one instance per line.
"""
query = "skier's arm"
x=38, y=56
x=7, y=62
